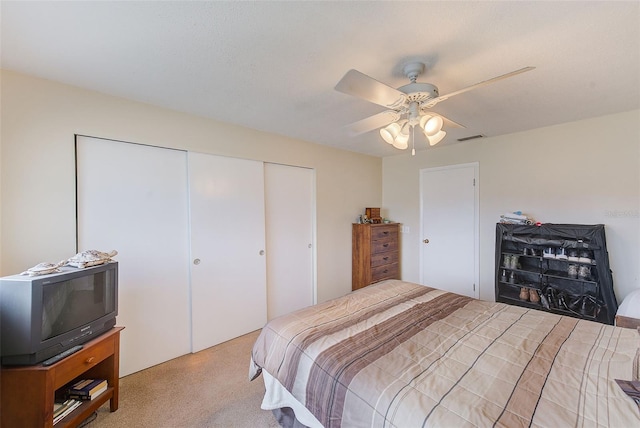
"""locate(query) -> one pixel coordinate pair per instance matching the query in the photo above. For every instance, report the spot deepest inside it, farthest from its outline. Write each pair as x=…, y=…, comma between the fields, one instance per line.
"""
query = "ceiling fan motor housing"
x=420, y=92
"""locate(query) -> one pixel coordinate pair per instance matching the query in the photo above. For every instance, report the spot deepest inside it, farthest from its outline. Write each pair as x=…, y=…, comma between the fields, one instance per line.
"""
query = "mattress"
x=402, y=354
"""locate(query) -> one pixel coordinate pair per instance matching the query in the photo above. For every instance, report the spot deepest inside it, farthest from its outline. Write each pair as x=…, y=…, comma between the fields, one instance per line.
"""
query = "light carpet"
x=206, y=389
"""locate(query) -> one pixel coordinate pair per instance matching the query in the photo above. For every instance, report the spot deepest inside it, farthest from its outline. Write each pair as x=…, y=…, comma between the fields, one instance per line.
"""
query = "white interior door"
x=290, y=206
x=449, y=215
x=228, y=267
x=133, y=198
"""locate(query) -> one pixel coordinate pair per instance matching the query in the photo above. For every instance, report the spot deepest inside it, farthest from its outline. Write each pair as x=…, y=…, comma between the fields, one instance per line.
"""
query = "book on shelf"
x=60, y=410
x=93, y=395
x=87, y=387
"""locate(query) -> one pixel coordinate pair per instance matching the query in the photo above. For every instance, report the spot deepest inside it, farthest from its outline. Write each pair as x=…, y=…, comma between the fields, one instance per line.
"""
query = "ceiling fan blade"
x=448, y=122
x=451, y=123
x=434, y=101
x=372, y=122
x=365, y=87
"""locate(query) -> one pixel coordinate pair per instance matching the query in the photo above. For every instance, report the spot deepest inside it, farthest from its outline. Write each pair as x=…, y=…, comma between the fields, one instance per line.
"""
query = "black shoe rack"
x=560, y=268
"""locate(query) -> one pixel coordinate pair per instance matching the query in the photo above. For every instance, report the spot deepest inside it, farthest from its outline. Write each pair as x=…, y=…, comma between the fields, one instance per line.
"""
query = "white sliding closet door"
x=290, y=206
x=134, y=199
x=228, y=268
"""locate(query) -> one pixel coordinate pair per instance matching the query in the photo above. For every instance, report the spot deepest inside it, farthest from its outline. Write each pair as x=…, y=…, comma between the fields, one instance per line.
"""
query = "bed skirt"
x=289, y=412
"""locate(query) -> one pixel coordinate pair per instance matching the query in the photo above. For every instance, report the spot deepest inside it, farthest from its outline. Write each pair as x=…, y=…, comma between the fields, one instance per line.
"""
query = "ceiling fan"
x=408, y=106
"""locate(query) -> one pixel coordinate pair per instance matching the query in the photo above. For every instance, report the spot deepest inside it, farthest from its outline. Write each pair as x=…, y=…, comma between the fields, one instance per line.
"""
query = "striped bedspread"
x=398, y=354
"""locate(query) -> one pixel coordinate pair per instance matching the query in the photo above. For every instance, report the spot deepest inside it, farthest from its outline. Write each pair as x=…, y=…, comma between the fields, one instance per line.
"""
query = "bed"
x=398, y=354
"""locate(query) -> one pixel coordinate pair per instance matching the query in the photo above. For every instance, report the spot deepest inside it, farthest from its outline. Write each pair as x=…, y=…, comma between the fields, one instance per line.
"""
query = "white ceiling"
x=272, y=66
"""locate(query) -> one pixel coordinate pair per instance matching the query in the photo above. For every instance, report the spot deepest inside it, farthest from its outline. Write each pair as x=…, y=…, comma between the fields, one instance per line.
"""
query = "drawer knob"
x=89, y=360
x=385, y=258
x=385, y=245
x=426, y=241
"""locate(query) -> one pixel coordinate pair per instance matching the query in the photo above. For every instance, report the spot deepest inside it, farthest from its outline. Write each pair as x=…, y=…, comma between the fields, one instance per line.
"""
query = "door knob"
x=261, y=252
x=196, y=262
x=426, y=241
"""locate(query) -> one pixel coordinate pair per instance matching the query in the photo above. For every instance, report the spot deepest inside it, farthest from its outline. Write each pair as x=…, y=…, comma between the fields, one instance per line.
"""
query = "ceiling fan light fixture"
x=386, y=136
x=431, y=125
x=390, y=133
x=435, y=139
x=401, y=143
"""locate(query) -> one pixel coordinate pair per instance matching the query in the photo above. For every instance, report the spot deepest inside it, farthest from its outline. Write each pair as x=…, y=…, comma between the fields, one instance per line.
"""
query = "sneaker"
x=561, y=254
x=549, y=253
x=524, y=294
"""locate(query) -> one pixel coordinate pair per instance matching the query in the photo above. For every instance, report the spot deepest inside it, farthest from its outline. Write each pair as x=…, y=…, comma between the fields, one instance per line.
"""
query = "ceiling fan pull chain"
x=413, y=141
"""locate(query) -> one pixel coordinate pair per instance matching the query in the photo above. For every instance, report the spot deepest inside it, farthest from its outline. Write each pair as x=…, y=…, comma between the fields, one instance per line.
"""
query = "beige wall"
x=584, y=172
x=39, y=120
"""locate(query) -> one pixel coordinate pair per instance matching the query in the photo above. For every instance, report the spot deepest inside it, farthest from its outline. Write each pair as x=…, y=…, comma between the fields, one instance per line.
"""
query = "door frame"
x=476, y=223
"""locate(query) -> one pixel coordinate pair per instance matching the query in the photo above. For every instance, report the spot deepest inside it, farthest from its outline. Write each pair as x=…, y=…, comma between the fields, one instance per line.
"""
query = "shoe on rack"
x=543, y=301
x=551, y=297
x=562, y=300
x=591, y=306
x=586, y=308
x=585, y=256
x=561, y=253
x=574, y=302
x=572, y=255
x=534, y=297
x=549, y=253
x=524, y=294
x=584, y=272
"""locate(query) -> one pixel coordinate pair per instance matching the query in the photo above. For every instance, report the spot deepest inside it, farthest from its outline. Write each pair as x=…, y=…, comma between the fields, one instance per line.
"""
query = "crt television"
x=42, y=316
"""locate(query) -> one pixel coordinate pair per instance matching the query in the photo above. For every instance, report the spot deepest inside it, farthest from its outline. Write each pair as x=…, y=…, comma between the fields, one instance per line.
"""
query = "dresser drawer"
x=383, y=245
x=385, y=258
x=388, y=232
x=75, y=364
x=390, y=271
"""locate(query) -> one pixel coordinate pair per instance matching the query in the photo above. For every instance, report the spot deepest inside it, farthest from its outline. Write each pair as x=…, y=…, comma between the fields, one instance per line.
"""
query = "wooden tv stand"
x=27, y=392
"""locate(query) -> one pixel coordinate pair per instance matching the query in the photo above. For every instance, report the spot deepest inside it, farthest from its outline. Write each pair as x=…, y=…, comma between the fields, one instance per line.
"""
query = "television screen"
x=76, y=302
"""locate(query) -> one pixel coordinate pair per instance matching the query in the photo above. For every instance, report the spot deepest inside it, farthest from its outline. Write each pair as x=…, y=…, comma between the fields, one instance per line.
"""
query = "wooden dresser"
x=375, y=253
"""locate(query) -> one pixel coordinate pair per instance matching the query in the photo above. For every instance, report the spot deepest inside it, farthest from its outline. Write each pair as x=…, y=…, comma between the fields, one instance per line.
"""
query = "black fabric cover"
x=591, y=237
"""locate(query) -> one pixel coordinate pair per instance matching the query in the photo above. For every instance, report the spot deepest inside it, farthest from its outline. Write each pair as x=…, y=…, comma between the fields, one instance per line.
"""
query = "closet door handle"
x=196, y=261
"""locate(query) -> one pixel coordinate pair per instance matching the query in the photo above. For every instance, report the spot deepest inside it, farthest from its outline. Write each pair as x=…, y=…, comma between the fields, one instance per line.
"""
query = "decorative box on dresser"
x=375, y=253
